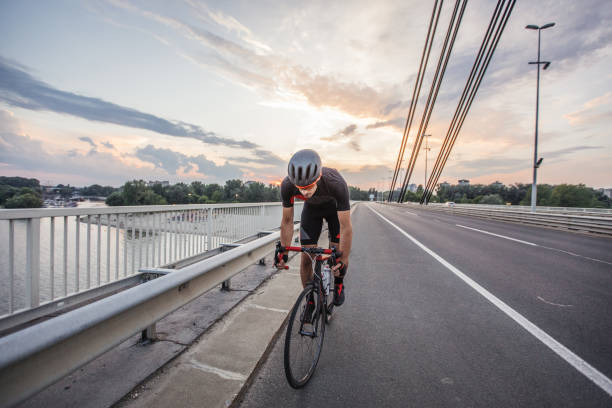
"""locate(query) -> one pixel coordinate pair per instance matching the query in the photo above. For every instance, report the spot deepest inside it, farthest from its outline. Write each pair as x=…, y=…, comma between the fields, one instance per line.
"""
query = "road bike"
x=312, y=310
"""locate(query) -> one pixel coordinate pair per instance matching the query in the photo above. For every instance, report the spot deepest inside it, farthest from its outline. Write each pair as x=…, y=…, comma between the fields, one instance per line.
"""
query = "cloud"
x=347, y=134
x=20, y=89
x=588, y=31
x=569, y=150
x=23, y=155
x=230, y=23
x=262, y=157
x=497, y=164
x=89, y=141
x=275, y=73
x=595, y=110
x=367, y=176
x=357, y=99
x=176, y=163
x=397, y=123
x=505, y=165
x=108, y=145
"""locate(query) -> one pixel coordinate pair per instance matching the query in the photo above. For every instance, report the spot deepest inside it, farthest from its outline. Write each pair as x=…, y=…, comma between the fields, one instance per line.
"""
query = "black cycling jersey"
x=332, y=190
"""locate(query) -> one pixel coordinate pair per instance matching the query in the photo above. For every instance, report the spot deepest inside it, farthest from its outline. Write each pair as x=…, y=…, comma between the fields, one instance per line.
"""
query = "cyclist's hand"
x=340, y=263
x=279, y=260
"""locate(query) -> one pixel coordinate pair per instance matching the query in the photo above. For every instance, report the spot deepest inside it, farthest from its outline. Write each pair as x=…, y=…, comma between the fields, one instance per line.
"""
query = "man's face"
x=308, y=191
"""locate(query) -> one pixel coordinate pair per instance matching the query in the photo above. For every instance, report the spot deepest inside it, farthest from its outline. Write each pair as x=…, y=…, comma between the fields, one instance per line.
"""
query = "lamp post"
x=426, y=148
x=536, y=162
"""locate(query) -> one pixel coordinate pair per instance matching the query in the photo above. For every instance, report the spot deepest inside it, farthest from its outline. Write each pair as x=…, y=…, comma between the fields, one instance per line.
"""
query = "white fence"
x=49, y=254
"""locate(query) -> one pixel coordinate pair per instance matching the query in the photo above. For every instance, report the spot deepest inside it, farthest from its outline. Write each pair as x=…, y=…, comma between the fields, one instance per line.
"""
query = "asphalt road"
x=413, y=333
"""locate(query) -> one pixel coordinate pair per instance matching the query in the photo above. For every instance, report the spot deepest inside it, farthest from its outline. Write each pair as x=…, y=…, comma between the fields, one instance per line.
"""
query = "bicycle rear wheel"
x=304, y=340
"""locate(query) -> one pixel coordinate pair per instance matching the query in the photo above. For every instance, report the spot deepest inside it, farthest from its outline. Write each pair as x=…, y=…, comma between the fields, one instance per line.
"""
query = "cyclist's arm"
x=287, y=226
x=346, y=234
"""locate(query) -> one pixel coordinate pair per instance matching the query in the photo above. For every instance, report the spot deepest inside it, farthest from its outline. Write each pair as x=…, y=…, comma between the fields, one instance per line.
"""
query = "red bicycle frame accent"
x=299, y=249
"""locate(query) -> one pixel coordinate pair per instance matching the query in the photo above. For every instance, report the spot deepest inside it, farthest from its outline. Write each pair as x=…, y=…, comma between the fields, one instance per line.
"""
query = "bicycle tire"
x=299, y=370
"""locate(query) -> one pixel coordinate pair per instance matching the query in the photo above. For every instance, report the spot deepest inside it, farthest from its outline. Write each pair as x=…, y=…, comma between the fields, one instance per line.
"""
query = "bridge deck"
x=411, y=333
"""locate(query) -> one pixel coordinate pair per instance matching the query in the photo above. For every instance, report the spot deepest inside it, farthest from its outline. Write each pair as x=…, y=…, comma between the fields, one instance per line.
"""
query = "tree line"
x=561, y=195
x=139, y=192
x=21, y=192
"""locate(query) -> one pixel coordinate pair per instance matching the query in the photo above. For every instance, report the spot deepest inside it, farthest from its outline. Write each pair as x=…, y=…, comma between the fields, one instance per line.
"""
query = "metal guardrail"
x=47, y=255
x=35, y=357
x=584, y=223
x=597, y=212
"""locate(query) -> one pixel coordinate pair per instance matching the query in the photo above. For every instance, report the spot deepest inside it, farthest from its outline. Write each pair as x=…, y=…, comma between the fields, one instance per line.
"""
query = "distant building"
x=248, y=183
x=607, y=192
x=498, y=184
x=464, y=182
x=412, y=187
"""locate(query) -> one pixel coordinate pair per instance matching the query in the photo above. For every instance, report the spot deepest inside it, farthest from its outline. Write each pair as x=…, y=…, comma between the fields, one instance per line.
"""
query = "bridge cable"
x=467, y=88
x=445, y=54
x=431, y=32
x=489, y=55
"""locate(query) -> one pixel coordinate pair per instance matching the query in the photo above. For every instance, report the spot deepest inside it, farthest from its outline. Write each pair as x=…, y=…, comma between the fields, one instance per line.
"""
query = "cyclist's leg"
x=333, y=225
x=310, y=230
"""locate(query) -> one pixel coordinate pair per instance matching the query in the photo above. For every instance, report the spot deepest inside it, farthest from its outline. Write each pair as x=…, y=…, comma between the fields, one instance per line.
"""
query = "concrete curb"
x=218, y=369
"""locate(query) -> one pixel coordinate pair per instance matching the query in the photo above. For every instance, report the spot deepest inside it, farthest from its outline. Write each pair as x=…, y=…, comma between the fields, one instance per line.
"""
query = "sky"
x=107, y=91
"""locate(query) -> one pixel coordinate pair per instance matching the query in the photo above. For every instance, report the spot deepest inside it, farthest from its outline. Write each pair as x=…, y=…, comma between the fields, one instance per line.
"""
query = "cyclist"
x=326, y=196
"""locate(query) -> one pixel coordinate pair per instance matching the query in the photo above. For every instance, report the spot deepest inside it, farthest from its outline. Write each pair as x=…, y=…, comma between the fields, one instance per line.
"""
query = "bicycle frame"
x=317, y=256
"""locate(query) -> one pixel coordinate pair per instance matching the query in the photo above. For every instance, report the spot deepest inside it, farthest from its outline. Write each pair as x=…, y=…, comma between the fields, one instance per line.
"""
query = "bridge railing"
x=47, y=255
x=37, y=356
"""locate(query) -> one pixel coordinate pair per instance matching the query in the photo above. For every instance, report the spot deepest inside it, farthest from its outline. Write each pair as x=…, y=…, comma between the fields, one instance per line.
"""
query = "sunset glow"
x=213, y=91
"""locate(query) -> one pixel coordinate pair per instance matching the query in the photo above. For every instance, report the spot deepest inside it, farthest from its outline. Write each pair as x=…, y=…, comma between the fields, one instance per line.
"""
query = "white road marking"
x=552, y=303
x=268, y=308
x=574, y=360
x=227, y=375
x=408, y=212
x=497, y=235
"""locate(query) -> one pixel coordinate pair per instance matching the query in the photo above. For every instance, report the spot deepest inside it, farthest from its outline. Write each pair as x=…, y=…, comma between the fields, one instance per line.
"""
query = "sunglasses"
x=310, y=186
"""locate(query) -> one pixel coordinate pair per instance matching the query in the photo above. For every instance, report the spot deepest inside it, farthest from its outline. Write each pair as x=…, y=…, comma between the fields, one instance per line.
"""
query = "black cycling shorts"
x=312, y=222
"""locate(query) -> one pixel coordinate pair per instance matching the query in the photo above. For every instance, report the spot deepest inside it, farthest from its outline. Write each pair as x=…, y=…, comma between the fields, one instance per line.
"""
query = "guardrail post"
x=226, y=285
x=148, y=335
x=33, y=262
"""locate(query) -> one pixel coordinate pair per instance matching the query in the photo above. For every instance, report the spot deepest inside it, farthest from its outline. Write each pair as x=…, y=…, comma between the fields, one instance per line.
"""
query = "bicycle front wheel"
x=304, y=338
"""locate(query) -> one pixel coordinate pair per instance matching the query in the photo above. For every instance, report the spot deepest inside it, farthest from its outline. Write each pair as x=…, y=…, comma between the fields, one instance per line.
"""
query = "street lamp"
x=536, y=162
x=426, y=148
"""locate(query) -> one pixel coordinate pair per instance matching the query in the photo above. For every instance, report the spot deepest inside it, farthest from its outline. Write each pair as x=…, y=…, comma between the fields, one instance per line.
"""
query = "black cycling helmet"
x=304, y=167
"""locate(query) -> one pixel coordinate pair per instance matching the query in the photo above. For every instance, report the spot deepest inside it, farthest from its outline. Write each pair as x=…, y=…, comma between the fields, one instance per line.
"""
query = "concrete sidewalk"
x=216, y=369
